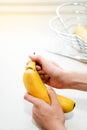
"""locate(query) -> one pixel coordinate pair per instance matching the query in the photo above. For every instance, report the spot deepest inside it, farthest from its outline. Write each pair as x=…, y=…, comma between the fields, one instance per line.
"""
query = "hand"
x=50, y=72
x=53, y=75
x=48, y=117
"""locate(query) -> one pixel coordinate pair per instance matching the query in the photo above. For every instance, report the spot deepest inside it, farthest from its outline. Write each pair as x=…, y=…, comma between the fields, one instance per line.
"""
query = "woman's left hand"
x=47, y=116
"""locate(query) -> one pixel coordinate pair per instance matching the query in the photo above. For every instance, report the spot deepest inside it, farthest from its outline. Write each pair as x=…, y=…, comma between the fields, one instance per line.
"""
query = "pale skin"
x=48, y=117
x=51, y=117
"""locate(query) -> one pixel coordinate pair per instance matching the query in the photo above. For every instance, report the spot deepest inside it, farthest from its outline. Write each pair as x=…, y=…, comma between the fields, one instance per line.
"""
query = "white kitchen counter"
x=21, y=35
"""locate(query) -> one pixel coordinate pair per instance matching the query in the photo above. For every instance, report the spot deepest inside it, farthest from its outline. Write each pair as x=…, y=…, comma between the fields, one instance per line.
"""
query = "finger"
x=36, y=58
x=39, y=59
x=45, y=79
x=41, y=72
x=53, y=96
x=30, y=98
x=35, y=101
x=38, y=68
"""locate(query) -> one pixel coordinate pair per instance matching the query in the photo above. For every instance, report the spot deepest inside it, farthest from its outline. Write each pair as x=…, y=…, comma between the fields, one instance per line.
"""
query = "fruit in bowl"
x=82, y=32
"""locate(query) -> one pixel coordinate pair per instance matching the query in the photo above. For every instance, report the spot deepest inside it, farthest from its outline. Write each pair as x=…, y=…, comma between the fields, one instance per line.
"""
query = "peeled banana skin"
x=35, y=86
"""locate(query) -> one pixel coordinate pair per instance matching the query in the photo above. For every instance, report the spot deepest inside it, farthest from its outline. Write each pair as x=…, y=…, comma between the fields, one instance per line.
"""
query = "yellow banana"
x=82, y=32
x=35, y=86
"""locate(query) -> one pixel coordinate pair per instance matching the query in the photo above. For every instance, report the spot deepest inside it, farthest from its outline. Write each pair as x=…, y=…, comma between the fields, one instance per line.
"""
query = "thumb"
x=40, y=60
x=53, y=96
x=36, y=58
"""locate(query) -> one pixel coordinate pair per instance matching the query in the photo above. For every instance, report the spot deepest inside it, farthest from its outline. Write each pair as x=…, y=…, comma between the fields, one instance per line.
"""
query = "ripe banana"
x=35, y=86
x=82, y=32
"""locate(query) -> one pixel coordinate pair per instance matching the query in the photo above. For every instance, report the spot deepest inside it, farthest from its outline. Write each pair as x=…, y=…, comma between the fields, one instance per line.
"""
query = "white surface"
x=20, y=36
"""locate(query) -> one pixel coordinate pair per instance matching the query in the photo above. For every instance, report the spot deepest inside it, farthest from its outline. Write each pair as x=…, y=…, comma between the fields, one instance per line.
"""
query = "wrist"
x=76, y=80
x=67, y=80
x=56, y=125
x=63, y=79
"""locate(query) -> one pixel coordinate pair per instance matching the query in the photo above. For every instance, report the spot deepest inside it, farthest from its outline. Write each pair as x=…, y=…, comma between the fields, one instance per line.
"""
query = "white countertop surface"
x=21, y=35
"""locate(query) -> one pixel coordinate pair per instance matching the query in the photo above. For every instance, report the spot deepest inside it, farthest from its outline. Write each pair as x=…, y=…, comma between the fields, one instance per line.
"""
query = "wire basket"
x=70, y=15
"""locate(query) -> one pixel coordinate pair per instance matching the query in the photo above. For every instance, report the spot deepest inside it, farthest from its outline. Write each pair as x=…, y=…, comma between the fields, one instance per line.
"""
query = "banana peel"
x=35, y=86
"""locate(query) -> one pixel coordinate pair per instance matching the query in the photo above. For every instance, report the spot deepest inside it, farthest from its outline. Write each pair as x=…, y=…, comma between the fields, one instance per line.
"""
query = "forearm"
x=75, y=80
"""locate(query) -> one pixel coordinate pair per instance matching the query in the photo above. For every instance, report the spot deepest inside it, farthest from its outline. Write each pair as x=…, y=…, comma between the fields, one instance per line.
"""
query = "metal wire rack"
x=70, y=15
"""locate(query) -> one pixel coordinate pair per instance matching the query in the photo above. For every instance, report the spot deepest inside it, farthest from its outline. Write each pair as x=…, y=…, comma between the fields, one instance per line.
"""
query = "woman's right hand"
x=50, y=72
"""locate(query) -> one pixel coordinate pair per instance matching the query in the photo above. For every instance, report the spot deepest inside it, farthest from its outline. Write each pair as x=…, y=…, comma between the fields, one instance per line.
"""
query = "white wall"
x=40, y=1
x=32, y=6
